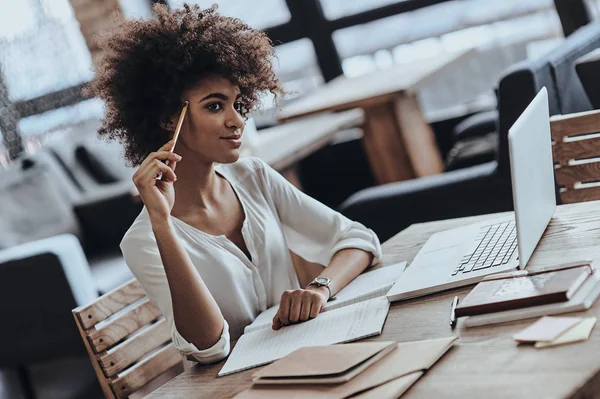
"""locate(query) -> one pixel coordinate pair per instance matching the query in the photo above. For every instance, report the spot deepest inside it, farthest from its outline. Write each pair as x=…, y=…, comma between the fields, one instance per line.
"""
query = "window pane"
x=16, y=18
x=134, y=9
x=334, y=9
x=50, y=57
x=41, y=124
x=296, y=67
x=266, y=14
x=458, y=24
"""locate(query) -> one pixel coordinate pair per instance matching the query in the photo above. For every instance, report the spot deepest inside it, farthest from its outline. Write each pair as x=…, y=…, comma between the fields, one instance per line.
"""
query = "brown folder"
x=513, y=290
x=331, y=364
x=388, y=378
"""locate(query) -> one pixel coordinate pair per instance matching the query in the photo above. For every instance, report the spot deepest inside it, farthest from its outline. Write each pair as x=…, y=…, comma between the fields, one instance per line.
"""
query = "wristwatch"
x=322, y=282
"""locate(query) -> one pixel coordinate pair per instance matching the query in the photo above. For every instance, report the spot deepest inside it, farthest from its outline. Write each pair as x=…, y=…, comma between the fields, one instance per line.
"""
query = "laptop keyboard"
x=494, y=246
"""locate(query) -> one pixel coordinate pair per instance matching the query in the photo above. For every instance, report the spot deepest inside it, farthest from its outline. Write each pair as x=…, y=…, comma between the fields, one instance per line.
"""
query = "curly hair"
x=147, y=64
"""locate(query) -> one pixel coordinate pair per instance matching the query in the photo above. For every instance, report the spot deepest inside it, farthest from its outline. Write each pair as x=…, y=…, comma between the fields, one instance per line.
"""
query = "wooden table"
x=284, y=145
x=485, y=362
x=398, y=140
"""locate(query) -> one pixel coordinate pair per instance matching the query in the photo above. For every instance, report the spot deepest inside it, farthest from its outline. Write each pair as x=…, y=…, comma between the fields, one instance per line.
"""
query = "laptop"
x=466, y=255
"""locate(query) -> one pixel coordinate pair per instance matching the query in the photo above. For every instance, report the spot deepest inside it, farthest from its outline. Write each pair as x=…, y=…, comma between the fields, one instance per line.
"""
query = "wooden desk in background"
x=398, y=140
x=485, y=362
x=284, y=145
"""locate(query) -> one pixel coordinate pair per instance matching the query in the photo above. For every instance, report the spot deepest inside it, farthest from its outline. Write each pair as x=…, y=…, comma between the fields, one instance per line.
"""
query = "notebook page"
x=350, y=323
x=366, y=286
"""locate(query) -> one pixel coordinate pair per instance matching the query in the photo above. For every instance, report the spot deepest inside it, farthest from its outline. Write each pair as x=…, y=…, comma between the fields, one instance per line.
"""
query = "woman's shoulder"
x=139, y=232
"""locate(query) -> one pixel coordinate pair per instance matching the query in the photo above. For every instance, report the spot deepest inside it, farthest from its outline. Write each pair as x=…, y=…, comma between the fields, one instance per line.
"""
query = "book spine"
x=511, y=305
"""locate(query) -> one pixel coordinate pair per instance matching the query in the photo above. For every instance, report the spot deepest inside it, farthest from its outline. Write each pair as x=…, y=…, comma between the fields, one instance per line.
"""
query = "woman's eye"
x=214, y=107
x=239, y=106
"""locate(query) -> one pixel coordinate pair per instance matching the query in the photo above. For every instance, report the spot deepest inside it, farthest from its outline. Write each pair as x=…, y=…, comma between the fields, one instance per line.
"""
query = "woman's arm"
x=320, y=235
x=301, y=305
x=197, y=316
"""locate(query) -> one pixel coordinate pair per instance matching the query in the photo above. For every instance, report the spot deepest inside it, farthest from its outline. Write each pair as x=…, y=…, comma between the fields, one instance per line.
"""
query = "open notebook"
x=349, y=323
x=368, y=285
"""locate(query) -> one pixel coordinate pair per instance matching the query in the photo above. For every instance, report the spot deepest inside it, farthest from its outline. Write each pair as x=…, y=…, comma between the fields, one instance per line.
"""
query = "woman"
x=212, y=245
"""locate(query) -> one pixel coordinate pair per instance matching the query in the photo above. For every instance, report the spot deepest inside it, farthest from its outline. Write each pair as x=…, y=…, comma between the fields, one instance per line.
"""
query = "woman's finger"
x=168, y=145
x=162, y=155
x=315, y=309
x=276, y=322
x=284, y=309
x=150, y=172
x=295, y=307
x=305, y=309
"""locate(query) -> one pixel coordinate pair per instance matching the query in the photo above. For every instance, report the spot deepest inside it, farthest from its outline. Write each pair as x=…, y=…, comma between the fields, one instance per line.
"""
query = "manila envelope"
x=388, y=378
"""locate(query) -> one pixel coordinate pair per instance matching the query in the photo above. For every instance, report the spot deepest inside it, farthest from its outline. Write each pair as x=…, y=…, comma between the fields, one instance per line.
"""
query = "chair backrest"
x=554, y=70
x=127, y=338
x=576, y=152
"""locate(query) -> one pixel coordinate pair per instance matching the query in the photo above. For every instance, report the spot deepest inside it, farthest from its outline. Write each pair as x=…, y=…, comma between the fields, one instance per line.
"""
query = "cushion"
x=32, y=206
x=94, y=166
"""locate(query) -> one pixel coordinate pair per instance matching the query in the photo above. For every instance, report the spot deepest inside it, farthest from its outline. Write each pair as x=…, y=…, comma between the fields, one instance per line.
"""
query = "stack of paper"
x=552, y=331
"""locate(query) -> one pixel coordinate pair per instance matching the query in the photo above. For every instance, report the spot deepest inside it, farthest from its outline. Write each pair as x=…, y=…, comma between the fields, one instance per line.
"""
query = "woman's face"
x=213, y=126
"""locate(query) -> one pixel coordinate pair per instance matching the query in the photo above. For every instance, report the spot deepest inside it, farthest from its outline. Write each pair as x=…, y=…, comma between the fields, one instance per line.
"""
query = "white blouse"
x=278, y=218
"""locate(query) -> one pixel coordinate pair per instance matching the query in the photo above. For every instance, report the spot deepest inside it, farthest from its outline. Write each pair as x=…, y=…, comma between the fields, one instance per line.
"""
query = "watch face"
x=322, y=280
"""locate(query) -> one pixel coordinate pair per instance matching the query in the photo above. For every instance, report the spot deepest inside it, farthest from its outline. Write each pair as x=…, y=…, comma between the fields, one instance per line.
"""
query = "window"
x=334, y=9
x=444, y=27
x=41, y=48
x=259, y=15
x=296, y=66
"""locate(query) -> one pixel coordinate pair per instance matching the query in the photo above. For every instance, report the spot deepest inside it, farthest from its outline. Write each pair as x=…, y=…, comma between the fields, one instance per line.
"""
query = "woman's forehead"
x=214, y=84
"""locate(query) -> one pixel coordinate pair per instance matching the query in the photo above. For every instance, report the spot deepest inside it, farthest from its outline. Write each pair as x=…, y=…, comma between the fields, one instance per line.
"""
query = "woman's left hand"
x=300, y=305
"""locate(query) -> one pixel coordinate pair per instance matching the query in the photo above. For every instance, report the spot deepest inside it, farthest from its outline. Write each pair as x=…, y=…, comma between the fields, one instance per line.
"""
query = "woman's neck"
x=197, y=185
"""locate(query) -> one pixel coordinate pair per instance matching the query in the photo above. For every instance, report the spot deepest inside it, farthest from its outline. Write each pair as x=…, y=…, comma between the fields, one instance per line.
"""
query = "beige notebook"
x=337, y=363
x=389, y=378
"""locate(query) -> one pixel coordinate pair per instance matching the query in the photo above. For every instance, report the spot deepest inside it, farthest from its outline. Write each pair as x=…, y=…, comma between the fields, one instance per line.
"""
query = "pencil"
x=178, y=128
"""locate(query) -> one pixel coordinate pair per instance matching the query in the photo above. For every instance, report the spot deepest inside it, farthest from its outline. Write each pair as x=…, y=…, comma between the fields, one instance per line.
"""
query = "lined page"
x=366, y=286
x=350, y=323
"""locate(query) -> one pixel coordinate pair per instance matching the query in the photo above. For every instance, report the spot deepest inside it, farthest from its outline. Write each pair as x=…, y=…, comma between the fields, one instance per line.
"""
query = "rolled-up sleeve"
x=313, y=230
x=143, y=258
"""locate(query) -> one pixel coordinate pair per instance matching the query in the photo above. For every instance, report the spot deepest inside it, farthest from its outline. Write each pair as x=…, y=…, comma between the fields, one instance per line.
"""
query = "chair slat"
x=109, y=304
x=123, y=325
x=580, y=149
x=580, y=195
x=574, y=124
x=569, y=175
x=130, y=351
x=140, y=374
x=104, y=384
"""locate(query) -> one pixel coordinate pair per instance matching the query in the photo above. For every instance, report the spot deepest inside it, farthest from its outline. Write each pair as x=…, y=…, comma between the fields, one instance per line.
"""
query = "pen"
x=452, y=314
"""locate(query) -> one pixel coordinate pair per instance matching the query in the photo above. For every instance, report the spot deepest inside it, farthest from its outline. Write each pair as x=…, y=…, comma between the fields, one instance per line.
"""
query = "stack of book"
x=527, y=294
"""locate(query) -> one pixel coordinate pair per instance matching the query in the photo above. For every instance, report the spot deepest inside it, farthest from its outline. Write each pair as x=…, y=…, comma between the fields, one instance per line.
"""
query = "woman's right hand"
x=158, y=195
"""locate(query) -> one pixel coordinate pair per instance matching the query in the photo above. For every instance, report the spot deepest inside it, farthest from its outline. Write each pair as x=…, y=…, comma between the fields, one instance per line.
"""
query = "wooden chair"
x=576, y=152
x=127, y=338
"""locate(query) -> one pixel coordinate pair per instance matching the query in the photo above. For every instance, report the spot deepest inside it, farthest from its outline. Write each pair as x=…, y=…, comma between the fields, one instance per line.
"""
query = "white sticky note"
x=580, y=332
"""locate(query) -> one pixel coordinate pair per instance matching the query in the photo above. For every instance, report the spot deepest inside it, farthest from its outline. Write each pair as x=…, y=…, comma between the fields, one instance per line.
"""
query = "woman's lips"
x=234, y=141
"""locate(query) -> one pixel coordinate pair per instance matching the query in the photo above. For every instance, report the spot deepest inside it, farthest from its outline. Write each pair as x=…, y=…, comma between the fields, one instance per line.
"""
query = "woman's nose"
x=234, y=119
